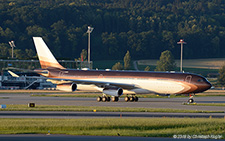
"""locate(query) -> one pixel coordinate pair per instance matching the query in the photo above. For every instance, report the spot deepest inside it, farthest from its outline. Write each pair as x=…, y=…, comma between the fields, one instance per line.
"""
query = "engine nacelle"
x=113, y=91
x=68, y=87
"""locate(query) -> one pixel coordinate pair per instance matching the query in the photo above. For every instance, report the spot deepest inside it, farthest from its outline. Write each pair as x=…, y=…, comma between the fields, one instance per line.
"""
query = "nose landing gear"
x=191, y=99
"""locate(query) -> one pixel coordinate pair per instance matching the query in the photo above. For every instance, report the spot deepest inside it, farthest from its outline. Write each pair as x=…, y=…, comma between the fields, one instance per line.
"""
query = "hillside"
x=144, y=27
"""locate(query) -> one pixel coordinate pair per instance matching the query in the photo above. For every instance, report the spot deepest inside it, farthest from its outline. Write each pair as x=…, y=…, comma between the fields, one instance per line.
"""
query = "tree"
x=166, y=62
x=83, y=55
x=29, y=54
x=221, y=78
x=4, y=50
x=19, y=54
x=127, y=60
x=117, y=66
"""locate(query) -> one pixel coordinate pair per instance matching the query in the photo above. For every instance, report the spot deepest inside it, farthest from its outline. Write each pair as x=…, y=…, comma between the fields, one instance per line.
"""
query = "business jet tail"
x=47, y=60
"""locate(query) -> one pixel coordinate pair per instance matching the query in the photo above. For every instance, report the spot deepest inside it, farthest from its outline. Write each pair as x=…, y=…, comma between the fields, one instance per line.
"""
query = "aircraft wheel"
x=135, y=98
x=108, y=98
x=99, y=99
x=104, y=99
x=191, y=100
x=131, y=98
x=126, y=98
x=113, y=99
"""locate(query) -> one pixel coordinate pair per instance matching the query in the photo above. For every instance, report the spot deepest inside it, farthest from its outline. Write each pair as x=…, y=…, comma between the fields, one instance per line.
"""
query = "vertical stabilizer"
x=47, y=60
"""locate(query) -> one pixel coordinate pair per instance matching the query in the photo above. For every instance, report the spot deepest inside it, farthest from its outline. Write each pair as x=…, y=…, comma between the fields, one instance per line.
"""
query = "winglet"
x=47, y=60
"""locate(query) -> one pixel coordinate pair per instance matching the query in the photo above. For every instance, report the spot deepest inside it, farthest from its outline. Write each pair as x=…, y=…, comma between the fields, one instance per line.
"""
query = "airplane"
x=113, y=83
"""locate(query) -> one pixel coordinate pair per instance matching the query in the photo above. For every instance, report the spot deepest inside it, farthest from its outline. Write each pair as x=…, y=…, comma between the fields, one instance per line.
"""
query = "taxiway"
x=171, y=103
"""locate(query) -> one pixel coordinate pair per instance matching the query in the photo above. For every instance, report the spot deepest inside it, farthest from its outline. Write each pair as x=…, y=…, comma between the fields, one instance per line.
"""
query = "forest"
x=145, y=28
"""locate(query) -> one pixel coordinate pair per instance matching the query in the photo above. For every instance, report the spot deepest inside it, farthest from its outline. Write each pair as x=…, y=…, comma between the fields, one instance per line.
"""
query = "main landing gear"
x=131, y=98
x=105, y=98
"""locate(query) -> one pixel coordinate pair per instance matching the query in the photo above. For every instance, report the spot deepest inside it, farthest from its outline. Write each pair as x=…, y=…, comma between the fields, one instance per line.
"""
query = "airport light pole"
x=90, y=29
x=181, y=42
x=12, y=44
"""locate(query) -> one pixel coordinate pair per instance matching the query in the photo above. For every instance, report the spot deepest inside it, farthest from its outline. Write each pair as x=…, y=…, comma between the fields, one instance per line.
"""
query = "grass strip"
x=144, y=127
x=205, y=104
x=98, y=109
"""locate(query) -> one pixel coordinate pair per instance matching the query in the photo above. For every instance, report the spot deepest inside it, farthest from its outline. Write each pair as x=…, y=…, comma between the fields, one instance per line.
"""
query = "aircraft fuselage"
x=144, y=82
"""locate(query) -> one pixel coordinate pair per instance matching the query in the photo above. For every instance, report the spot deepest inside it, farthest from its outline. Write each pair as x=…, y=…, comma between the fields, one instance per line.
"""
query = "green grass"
x=200, y=71
x=98, y=109
x=145, y=127
x=206, y=104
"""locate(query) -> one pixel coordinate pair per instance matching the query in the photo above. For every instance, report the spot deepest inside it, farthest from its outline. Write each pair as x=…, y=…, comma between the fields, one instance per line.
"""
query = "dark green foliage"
x=166, y=62
x=144, y=27
x=127, y=61
x=4, y=50
x=221, y=78
x=83, y=55
x=117, y=66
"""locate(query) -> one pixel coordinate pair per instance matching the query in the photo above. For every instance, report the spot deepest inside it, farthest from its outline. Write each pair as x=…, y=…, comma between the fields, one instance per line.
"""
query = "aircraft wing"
x=101, y=84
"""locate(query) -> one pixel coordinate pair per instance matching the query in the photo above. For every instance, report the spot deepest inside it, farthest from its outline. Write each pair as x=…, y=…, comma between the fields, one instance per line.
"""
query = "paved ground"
x=83, y=138
x=70, y=115
x=173, y=103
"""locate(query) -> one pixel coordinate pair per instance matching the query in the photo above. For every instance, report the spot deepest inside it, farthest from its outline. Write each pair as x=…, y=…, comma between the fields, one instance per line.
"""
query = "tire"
x=104, y=99
x=190, y=100
x=108, y=98
x=126, y=98
x=99, y=99
x=113, y=99
x=135, y=98
x=131, y=98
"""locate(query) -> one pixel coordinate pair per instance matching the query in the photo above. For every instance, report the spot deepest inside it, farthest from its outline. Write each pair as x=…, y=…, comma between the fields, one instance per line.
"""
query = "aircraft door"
x=62, y=73
x=101, y=76
x=188, y=78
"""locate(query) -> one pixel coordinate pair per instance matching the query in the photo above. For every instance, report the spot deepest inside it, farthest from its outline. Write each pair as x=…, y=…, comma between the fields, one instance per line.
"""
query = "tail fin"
x=47, y=60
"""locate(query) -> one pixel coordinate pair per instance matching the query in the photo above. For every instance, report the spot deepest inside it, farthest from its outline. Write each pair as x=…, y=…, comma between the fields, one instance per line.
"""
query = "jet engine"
x=68, y=87
x=113, y=91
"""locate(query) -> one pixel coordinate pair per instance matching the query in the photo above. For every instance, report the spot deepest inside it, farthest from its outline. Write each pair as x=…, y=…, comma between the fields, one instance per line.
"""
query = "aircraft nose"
x=203, y=87
x=208, y=85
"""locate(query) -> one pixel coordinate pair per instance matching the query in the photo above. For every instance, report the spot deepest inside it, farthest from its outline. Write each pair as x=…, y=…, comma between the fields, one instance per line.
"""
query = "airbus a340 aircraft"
x=113, y=83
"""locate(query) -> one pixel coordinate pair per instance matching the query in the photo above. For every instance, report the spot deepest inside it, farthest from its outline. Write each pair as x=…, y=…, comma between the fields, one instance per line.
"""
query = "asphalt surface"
x=70, y=115
x=171, y=103
x=84, y=138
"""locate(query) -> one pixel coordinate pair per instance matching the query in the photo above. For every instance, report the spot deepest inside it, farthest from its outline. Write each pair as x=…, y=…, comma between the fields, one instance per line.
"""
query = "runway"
x=171, y=103
x=41, y=137
x=72, y=115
